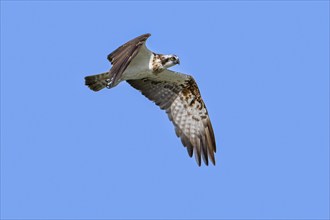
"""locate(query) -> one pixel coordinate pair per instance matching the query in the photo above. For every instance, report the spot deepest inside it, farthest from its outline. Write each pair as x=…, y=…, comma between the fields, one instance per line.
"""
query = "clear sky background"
x=68, y=152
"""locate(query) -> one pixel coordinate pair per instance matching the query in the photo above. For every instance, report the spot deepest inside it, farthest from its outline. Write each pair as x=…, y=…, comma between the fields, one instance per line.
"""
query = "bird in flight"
x=174, y=92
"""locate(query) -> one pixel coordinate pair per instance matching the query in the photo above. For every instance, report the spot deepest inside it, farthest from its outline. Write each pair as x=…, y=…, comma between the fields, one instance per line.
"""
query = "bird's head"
x=169, y=60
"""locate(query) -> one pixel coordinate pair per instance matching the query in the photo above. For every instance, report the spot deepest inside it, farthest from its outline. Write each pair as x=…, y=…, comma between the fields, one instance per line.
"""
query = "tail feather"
x=97, y=82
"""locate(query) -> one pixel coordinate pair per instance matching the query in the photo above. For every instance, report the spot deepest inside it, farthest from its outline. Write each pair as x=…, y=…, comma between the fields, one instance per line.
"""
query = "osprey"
x=174, y=92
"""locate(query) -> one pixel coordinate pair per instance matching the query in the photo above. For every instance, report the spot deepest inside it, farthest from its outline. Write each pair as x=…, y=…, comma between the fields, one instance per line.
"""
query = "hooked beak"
x=178, y=61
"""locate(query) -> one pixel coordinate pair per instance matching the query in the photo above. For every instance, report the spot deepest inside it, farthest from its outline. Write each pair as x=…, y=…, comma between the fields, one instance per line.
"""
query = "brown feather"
x=179, y=96
x=122, y=57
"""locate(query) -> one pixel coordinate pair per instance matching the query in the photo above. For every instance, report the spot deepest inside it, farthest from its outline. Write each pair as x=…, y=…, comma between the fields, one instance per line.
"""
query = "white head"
x=169, y=60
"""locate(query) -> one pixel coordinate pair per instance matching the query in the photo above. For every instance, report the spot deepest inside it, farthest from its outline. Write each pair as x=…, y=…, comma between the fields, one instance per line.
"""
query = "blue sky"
x=67, y=152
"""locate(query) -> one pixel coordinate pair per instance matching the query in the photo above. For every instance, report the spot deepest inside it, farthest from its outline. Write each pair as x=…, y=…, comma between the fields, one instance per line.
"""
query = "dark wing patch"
x=122, y=57
x=186, y=109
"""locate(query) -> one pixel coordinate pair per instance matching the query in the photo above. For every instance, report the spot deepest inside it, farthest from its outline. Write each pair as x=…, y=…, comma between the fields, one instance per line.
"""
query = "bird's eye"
x=172, y=58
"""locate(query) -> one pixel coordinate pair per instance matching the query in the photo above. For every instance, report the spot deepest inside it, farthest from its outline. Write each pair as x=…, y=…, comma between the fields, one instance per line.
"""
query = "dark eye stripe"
x=164, y=61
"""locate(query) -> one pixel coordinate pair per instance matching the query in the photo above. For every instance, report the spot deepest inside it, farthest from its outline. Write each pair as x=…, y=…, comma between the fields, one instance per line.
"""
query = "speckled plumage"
x=181, y=100
x=157, y=65
x=174, y=92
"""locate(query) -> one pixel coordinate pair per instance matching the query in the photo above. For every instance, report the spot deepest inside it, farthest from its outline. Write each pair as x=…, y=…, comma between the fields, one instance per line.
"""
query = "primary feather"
x=174, y=92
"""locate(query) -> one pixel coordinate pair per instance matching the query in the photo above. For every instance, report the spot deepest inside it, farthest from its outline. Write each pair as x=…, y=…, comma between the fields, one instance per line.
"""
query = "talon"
x=108, y=81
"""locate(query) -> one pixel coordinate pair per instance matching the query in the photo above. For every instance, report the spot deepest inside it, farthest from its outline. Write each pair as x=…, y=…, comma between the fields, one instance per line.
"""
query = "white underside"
x=140, y=66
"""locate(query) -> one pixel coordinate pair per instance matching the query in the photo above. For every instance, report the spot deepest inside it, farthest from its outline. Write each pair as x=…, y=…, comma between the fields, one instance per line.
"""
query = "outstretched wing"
x=179, y=95
x=122, y=57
